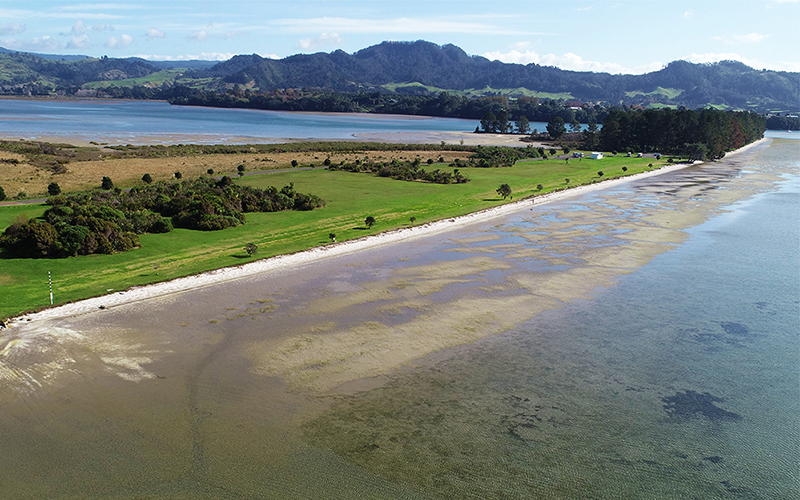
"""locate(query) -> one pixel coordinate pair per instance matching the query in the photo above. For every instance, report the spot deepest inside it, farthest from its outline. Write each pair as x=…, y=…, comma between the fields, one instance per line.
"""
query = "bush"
x=107, y=183
x=625, y=169
x=600, y=173
x=210, y=171
x=178, y=175
x=147, y=178
x=294, y=163
x=2, y=194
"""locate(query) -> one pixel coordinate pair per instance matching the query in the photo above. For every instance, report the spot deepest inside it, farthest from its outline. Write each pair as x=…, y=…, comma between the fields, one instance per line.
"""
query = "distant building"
x=596, y=155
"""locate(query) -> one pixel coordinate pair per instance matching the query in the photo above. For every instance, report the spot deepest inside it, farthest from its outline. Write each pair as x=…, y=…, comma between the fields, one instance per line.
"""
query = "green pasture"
x=518, y=91
x=351, y=197
x=158, y=78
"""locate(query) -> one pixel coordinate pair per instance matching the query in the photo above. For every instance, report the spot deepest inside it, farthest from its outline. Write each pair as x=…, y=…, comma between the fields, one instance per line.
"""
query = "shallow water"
x=640, y=341
x=158, y=122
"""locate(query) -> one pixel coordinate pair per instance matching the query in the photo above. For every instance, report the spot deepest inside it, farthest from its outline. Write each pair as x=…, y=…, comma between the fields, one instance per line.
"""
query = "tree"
x=590, y=136
x=240, y=169
x=369, y=221
x=504, y=190
x=178, y=175
x=294, y=163
x=251, y=249
x=53, y=189
x=147, y=178
x=107, y=183
x=489, y=122
x=600, y=173
x=566, y=181
x=332, y=237
x=210, y=171
x=523, y=125
x=556, y=127
x=2, y=194
x=574, y=125
x=502, y=122
x=413, y=220
x=539, y=187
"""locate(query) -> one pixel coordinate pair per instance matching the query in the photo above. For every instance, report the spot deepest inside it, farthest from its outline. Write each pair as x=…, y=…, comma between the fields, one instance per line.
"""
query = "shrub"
x=2, y=194
x=53, y=189
x=147, y=178
x=600, y=173
x=107, y=183
x=625, y=169
x=294, y=163
x=210, y=171
x=178, y=175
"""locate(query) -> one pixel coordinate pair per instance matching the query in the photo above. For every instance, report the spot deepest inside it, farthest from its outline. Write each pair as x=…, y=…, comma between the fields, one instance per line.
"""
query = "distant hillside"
x=422, y=67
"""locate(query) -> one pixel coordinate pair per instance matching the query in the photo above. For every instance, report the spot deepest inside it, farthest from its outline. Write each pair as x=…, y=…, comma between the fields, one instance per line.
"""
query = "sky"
x=614, y=36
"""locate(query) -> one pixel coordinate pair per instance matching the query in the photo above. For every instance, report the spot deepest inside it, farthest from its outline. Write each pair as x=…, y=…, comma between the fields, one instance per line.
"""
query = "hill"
x=419, y=68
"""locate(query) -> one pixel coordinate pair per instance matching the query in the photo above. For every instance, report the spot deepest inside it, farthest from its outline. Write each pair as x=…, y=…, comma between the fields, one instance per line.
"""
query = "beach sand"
x=283, y=262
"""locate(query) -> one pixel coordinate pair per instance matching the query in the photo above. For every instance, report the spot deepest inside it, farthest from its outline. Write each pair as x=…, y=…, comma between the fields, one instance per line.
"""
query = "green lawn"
x=351, y=197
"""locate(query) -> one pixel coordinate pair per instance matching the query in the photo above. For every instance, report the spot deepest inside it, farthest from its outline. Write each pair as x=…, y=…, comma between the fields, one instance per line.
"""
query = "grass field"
x=351, y=197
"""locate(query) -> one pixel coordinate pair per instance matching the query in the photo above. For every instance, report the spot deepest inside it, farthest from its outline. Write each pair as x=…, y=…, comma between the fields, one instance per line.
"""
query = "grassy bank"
x=351, y=197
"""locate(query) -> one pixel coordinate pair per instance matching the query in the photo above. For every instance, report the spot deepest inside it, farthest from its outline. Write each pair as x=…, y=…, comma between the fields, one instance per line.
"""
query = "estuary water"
x=641, y=341
x=116, y=121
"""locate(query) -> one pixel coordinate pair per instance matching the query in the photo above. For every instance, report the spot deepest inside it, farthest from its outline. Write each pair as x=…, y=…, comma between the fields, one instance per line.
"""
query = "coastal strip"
x=288, y=261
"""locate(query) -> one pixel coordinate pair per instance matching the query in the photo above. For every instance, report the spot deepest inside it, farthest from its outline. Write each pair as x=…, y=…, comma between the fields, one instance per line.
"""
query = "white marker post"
x=50, y=279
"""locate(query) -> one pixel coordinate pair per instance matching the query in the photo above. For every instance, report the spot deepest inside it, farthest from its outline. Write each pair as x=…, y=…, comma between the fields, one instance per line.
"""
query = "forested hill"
x=417, y=68
x=414, y=67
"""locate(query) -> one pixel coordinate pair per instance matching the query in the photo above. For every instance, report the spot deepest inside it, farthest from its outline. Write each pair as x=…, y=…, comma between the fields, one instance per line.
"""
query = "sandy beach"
x=284, y=262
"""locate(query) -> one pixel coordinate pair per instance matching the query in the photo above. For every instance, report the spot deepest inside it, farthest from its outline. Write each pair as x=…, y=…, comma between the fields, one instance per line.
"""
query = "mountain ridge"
x=419, y=66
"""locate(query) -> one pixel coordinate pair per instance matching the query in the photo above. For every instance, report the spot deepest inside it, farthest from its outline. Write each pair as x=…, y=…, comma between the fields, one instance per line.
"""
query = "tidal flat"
x=594, y=347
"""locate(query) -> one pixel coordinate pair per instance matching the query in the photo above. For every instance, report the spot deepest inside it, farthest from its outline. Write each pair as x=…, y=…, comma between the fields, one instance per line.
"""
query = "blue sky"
x=602, y=35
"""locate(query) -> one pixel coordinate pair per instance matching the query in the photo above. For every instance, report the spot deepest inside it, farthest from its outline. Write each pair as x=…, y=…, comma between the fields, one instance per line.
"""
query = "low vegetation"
x=107, y=222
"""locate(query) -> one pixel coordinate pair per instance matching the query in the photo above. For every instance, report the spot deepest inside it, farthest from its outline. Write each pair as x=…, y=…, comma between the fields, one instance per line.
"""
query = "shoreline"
x=289, y=261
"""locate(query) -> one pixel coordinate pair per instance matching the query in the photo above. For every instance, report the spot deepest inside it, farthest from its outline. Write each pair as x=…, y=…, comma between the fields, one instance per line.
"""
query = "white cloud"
x=322, y=39
x=43, y=44
x=78, y=28
x=569, y=61
x=102, y=27
x=80, y=42
x=154, y=33
x=119, y=43
x=12, y=29
x=199, y=36
x=205, y=56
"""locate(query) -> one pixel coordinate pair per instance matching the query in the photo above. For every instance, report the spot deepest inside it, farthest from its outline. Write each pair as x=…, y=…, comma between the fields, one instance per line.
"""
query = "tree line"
x=696, y=134
x=404, y=171
x=111, y=221
x=442, y=104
